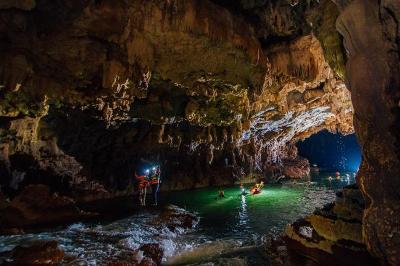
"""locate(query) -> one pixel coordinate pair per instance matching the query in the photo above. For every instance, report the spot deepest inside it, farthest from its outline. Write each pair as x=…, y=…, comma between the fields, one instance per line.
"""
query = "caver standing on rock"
x=155, y=184
x=142, y=185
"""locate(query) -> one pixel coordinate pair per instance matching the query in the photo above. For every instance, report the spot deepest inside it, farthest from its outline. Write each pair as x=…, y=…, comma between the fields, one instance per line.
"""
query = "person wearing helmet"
x=155, y=184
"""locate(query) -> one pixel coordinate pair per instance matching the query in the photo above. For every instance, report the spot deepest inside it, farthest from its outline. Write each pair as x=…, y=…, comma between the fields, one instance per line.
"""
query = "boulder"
x=296, y=168
x=36, y=205
x=336, y=229
x=40, y=252
x=173, y=217
x=152, y=251
x=148, y=262
x=331, y=234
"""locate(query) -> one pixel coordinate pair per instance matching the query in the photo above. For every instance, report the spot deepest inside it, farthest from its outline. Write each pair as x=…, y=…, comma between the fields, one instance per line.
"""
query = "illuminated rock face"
x=212, y=90
x=371, y=37
x=162, y=80
x=331, y=235
x=301, y=95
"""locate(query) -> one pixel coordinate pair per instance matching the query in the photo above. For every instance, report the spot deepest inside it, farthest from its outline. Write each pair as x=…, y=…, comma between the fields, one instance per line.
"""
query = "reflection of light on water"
x=236, y=218
x=348, y=179
x=344, y=179
x=243, y=217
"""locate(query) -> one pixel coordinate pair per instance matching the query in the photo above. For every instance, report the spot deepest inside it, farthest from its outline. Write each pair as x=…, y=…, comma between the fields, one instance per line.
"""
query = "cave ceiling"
x=236, y=73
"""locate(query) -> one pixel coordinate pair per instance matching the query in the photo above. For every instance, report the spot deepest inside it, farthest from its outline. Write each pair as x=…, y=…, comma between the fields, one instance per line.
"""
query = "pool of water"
x=225, y=223
x=251, y=216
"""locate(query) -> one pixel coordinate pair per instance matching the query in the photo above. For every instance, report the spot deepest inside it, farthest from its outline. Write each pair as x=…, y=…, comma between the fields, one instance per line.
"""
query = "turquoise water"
x=252, y=216
x=232, y=223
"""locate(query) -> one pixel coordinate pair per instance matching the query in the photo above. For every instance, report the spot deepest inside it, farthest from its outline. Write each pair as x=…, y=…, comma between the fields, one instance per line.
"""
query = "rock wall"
x=371, y=37
x=370, y=30
x=330, y=236
x=213, y=91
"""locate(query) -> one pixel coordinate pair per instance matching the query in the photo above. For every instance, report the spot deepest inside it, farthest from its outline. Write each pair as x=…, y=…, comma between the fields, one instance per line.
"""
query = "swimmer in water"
x=221, y=193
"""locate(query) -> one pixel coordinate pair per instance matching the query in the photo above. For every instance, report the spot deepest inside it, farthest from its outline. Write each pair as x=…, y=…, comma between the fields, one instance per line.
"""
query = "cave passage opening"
x=331, y=152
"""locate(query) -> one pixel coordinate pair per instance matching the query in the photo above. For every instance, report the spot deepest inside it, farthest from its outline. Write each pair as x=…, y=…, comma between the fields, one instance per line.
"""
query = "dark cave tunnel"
x=331, y=152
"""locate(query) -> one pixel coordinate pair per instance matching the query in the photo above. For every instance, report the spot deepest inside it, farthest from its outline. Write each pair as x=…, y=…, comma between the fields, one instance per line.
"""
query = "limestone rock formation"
x=296, y=168
x=328, y=236
x=36, y=206
x=371, y=36
x=301, y=95
x=36, y=253
x=212, y=90
x=90, y=91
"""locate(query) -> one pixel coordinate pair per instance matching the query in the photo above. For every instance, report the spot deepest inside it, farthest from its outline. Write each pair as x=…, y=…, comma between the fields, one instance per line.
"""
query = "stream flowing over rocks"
x=147, y=238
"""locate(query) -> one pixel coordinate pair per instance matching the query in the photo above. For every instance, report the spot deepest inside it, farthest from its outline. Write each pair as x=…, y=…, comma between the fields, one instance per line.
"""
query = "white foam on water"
x=169, y=247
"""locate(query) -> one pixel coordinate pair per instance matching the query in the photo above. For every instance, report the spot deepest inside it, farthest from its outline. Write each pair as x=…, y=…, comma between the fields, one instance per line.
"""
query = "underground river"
x=225, y=224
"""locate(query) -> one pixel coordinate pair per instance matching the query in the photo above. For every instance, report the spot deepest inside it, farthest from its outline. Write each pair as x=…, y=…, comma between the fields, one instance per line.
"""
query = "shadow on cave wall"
x=112, y=155
x=26, y=171
x=108, y=155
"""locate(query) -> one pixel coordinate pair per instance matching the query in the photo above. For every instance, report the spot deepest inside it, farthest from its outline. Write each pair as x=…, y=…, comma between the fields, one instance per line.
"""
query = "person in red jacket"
x=142, y=185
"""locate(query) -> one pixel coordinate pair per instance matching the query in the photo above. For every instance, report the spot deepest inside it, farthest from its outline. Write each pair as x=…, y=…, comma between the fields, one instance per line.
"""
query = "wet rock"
x=340, y=255
x=148, y=262
x=349, y=204
x=210, y=252
x=336, y=229
x=296, y=168
x=121, y=263
x=229, y=261
x=128, y=258
x=174, y=217
x=37, y=253
x=11, y=231
x=332, y=233
x=152, y=251
x=36, y=205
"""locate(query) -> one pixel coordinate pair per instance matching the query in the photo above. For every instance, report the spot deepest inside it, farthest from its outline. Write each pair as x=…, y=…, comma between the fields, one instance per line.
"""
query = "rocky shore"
x=330, y=236
x=49, y=252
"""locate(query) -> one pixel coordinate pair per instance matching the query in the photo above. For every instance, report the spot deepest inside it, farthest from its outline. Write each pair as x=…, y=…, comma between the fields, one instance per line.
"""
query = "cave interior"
x=214, y=95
